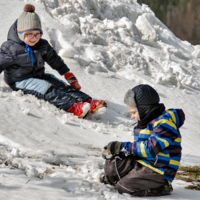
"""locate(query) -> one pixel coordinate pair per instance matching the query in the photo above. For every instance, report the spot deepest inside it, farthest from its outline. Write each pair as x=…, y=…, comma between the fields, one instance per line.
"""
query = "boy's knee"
x=116, y=169
x=111, y=171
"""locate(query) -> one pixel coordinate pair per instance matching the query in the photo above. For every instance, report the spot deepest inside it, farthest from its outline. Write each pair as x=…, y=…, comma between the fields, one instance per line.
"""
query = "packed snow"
x=111, y=46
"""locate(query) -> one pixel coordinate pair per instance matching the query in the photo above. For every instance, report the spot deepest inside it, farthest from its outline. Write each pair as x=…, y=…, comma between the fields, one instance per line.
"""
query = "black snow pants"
x=53, y=90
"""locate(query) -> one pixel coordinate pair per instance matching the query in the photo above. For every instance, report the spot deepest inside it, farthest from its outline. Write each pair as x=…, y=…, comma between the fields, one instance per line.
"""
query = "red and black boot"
x=80, y=109
x=96, y=104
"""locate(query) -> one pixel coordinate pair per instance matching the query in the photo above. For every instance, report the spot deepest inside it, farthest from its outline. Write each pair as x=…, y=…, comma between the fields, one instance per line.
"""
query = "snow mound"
x=125, y=38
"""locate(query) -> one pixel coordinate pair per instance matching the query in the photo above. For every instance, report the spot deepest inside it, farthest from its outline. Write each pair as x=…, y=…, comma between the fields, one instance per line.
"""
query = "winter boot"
x=80, y=109
x=96, y=104
x=163, y=190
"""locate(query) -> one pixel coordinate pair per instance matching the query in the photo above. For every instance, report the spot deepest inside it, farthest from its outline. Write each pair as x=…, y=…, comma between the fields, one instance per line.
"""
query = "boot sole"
x=81, y=116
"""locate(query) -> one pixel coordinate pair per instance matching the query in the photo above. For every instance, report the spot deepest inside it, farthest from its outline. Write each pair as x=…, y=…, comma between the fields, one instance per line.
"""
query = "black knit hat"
x=143, y=97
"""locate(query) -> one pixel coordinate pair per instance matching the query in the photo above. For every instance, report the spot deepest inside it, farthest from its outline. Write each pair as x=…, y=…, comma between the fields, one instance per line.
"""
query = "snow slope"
x=111, y=46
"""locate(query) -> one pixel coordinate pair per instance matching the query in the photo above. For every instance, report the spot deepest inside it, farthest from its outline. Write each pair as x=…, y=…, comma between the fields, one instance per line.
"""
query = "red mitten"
x=69, y=76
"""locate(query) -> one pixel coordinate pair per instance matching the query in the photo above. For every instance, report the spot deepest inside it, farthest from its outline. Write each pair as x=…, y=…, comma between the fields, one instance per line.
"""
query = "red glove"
x=69, y=76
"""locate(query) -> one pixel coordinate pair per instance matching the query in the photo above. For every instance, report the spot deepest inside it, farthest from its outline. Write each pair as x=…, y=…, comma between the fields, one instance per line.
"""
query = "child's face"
x=134, y=112
x=32, y=37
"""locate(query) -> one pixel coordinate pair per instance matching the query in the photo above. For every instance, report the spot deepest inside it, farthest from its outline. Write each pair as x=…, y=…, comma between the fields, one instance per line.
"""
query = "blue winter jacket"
x=158, y=146
x=17, y=65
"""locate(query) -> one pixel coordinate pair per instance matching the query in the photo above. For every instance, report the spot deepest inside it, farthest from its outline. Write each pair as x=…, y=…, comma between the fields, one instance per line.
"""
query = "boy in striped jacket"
x=147, y=166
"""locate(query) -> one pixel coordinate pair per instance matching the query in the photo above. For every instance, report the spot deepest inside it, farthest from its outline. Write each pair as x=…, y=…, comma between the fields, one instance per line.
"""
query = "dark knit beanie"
x=28, y=21
x=143, y=97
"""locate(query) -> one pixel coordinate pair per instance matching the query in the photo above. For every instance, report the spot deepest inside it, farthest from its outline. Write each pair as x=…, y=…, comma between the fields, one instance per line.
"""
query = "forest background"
x=182, y=17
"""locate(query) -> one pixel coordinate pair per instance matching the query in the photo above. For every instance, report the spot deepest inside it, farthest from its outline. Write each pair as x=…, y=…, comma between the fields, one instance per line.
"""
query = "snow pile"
x=125, y=38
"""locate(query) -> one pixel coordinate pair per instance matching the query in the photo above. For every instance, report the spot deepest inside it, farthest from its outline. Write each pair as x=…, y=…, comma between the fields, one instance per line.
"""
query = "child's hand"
x=106, y=154
x=72, y=80
x=112, y=149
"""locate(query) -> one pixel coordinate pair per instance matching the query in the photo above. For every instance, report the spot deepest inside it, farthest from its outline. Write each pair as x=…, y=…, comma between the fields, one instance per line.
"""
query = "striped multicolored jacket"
x=159, y=145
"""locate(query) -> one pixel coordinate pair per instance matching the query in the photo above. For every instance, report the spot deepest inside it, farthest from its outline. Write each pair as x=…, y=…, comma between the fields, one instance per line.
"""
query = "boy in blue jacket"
x=148, y=165
x=22, y=58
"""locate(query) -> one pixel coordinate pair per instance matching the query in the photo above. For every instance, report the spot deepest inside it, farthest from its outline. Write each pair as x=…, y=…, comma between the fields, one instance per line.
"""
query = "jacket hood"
x=12, y=34
x=177, y=116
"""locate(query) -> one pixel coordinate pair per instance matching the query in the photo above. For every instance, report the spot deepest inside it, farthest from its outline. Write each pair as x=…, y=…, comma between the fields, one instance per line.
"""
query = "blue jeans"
x=53, y=90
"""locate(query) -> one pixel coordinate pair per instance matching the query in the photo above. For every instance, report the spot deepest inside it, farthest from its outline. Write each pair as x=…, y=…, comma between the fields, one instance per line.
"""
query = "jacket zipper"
x=34, y=62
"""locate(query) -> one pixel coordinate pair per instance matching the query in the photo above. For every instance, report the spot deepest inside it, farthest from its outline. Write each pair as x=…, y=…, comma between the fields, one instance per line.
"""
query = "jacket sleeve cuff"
x=128, y=146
